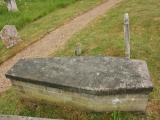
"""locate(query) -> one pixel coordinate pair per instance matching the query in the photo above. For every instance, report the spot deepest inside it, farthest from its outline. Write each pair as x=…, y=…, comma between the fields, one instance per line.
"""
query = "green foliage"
x=9, y=103
x=127, y=116
x=39, y=18
x=116, y=116
x=29, y=11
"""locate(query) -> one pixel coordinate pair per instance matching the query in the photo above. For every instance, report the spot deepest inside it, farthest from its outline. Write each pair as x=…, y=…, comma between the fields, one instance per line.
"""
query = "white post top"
x=126, y=18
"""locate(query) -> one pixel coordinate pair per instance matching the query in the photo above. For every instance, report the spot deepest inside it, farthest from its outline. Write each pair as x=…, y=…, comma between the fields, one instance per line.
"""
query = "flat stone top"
x=91, y=75
x=11, y=117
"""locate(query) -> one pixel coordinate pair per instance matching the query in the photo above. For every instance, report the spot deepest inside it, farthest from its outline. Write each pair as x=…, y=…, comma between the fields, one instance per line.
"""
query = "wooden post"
x=127, y=35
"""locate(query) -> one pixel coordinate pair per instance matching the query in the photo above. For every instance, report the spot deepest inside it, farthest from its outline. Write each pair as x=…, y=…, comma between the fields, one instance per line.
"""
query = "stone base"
x=90, y=83
x=124, y=102
x=11, y=117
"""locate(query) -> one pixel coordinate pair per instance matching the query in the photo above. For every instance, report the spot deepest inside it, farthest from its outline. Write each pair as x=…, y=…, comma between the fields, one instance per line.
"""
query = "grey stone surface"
x=91, y=75
x=127, y=35
x=82, y=101
x=9, y=36
x=10, y=117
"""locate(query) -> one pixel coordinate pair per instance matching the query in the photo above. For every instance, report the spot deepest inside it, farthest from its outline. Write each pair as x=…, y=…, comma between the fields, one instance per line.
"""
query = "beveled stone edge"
x=15, y=117
x=83, y=90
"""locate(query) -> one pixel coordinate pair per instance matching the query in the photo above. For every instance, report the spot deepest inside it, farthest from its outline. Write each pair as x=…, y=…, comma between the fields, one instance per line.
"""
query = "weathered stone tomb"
x=90, y=83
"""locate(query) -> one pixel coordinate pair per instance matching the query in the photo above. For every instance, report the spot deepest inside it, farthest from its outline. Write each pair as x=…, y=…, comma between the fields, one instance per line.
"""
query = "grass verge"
x=34, y=22
x=30, y=11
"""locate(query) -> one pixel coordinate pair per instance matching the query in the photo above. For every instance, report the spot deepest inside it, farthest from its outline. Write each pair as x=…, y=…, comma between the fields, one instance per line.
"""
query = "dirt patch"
x=153, y=110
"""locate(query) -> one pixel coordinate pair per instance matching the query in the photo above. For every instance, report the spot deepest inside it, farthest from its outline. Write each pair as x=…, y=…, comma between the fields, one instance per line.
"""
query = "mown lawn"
x=29, y=11
x=105, y=37
x=38, y=17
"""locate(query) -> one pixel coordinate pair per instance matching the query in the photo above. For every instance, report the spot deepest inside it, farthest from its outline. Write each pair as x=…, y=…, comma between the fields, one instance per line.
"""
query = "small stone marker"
x=9, y=36
x=11, y=5
x=78, y=50
x=127, y=35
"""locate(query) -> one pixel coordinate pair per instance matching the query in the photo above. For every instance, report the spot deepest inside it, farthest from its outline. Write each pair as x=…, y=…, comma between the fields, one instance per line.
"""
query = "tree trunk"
x=11, y=5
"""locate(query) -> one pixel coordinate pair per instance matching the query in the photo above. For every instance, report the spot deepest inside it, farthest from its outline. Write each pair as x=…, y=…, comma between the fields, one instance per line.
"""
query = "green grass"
x=29, y=11
x=105, y=37
x=38, y=17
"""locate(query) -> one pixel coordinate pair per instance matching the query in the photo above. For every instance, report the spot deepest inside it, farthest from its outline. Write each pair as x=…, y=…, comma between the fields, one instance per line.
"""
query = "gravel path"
x=54, y=40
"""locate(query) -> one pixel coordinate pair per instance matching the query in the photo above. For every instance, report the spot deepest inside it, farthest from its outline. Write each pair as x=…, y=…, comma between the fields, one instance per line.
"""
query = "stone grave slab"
x=94, y=83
